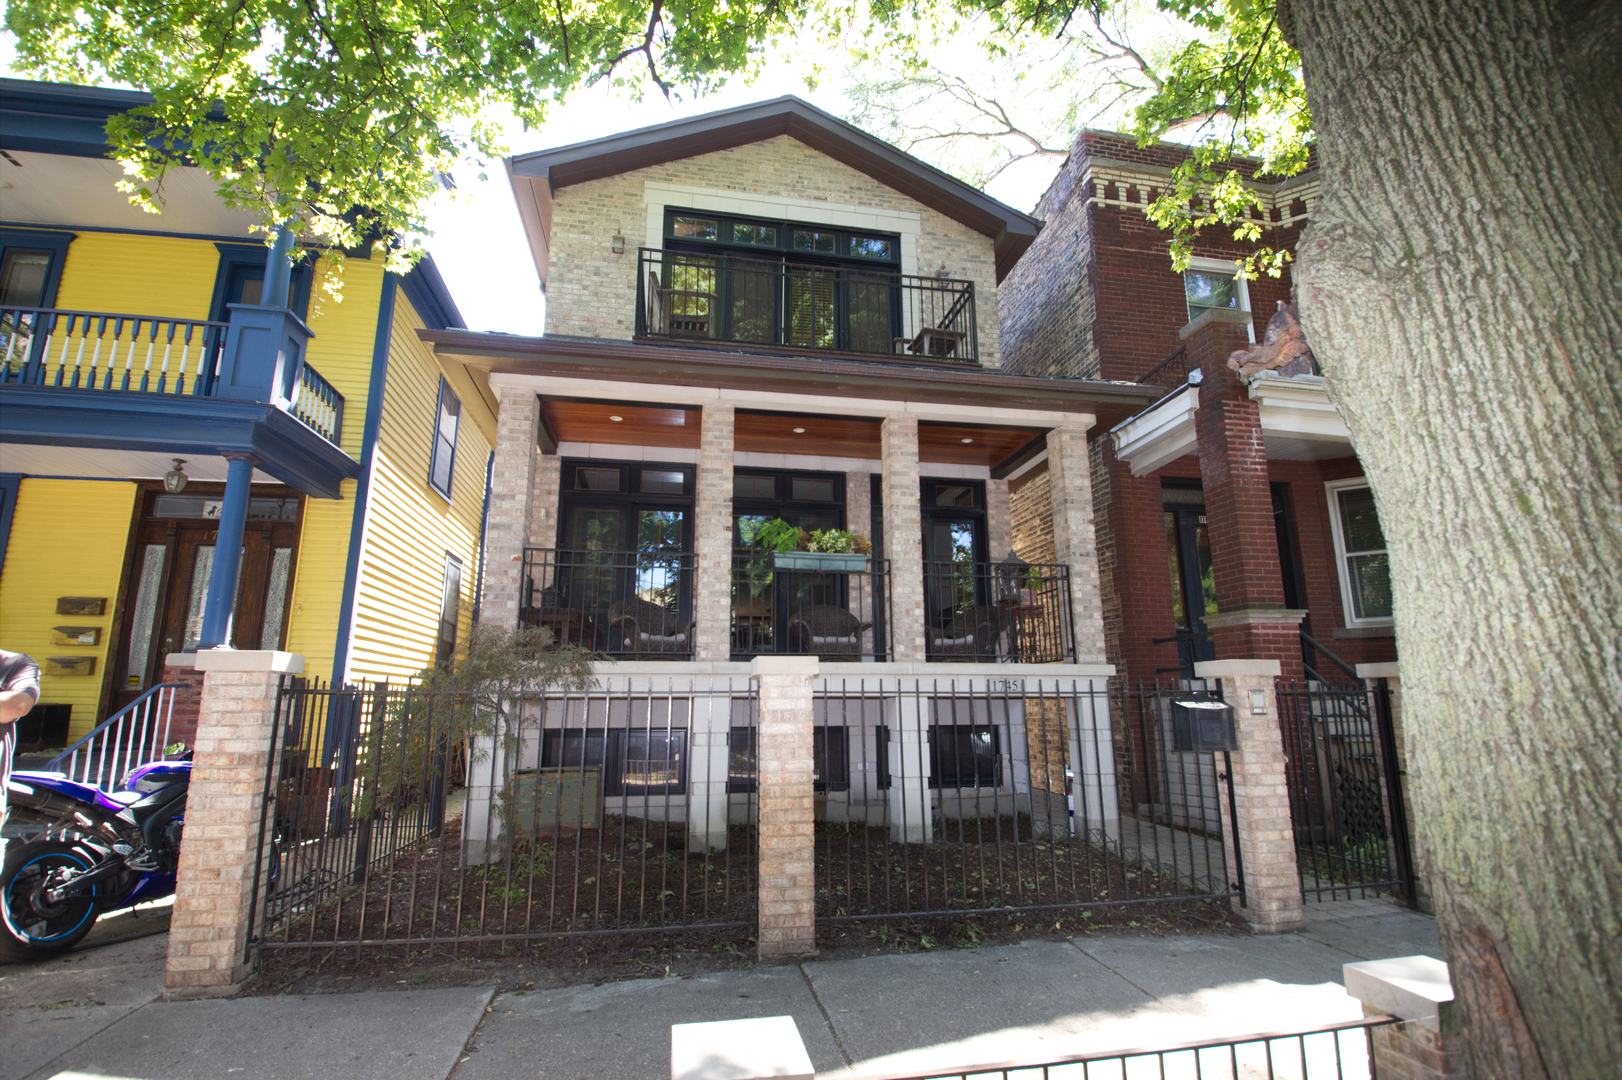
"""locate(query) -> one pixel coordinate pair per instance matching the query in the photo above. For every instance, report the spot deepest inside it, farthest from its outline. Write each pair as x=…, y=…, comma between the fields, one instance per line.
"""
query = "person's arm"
x=21, y=689
x=14, y=704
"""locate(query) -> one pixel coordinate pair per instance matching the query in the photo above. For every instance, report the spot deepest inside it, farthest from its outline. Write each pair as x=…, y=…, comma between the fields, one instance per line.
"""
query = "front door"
x=954, y=523
x=169, y=573
x=1193, y=583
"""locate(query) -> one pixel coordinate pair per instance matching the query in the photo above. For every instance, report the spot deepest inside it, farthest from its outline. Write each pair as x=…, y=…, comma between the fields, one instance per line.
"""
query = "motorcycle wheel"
x=29, y=929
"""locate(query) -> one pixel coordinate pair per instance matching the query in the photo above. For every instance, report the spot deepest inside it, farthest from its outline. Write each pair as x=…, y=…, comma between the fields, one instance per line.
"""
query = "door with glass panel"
x=168, y=576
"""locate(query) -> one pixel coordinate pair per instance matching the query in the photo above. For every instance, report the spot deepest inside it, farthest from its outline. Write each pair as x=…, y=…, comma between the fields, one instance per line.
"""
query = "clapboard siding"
x=67, y=539
x=410, y=526
x=139, y=275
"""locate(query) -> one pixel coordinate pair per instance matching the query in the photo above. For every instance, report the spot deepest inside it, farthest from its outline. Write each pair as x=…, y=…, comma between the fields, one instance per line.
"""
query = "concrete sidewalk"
x=859, y=1018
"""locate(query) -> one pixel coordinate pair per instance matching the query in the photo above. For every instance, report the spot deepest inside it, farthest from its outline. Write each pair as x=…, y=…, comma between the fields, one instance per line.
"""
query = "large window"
x=30, y=267
x=962, y=755
x=1360, y=553
x=636, y=761
x=1213, y=283
x=450, y=606
x=448, y=417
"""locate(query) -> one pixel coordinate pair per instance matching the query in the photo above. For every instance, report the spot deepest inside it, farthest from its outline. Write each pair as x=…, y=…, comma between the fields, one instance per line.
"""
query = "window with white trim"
x=1214, y=283
x=443, y=461
x=1361, y=559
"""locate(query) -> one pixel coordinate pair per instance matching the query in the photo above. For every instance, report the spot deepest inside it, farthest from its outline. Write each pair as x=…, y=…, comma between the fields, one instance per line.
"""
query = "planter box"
x=819, y=561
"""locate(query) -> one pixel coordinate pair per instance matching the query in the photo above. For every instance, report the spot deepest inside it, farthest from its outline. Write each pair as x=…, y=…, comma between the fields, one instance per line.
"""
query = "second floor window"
x=448, y=418
x=1212, y=283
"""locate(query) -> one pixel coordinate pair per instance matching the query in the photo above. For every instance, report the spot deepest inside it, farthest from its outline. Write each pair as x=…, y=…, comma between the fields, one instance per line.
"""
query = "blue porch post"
x=222, y=578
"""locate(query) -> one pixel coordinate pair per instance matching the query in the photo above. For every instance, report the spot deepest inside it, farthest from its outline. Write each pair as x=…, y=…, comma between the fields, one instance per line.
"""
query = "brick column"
x=1392, y=674
x=903, y=535
x=512, y=486
x=1252, y=621
x=1070, y=484
x=712, y=533
x=859, y=520
x=999, y=521
x=1266, y=840
x=1430, y=1046
x=543, y=505
x=214, y=888
x=787, y=808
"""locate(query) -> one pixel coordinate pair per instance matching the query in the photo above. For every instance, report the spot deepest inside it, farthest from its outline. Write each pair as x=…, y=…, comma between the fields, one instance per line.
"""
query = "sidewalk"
x=859, y=1018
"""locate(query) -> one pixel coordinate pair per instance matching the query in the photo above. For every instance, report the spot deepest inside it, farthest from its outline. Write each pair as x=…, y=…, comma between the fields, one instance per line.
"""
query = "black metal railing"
x=1192, y=647
x=632, y=605
x=824, y=308
x=93, y=350
x=988, y=613
x=811, y=605
x=1170, y=373
x=1341, y=768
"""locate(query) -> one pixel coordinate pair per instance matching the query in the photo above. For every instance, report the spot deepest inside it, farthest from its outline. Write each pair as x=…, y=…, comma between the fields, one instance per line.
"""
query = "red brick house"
x=1232, y=517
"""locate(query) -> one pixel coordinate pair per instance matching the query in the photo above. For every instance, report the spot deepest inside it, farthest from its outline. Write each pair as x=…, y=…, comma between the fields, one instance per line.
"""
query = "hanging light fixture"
x=174, y=481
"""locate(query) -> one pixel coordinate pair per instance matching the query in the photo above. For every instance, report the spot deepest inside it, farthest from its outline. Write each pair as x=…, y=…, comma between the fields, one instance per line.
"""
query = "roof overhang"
x=1298, y=421
x=1161, y=433
x=1010, y=230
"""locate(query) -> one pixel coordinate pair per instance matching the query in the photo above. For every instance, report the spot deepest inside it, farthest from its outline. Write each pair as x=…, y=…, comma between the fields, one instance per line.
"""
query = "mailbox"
x=1200, y=723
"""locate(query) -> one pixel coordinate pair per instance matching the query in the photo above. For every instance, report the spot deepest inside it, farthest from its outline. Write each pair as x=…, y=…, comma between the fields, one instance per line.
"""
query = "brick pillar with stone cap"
x=903, y=535
x=214, y=888
x=512, y=488
x=1070, y=485
x=784, y=779
x=1260, y=816
x=712, y=529
x=1430, y=1045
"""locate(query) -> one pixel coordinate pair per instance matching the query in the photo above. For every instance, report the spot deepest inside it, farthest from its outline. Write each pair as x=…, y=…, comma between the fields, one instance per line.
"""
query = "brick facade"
x=512, y=498
x=903, y=534
x=787, y=806
x=712, y=531
x=187, y=705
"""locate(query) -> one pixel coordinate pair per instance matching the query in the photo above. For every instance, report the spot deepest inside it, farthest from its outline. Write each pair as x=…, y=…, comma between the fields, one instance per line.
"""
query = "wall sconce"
x=616, y=243
x=1258, y=702
x=174, y=481
x=943, y=273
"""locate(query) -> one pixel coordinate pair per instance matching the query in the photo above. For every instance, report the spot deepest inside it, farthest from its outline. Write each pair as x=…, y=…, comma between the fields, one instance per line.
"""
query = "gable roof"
x=563, y=166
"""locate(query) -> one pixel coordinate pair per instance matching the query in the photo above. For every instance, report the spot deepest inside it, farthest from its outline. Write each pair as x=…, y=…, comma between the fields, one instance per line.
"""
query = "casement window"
x=636, y=761
x=450, y=604
x=1361, y=558
x=1213, y=283
x=962, y=755
x=830, y=759
x=448, y=419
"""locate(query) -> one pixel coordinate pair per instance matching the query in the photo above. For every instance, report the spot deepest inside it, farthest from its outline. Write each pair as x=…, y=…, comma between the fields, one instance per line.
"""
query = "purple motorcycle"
x=75, y=852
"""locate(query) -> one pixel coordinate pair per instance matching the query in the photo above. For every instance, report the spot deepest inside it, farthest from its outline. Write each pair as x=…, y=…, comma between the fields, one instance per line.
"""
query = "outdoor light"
x=799, y=431
x=1012, y=574
x=617, y=243
x=1258, y=702
x=943, y=273
x=616, y=419
x=174, y=481
x=967, y=441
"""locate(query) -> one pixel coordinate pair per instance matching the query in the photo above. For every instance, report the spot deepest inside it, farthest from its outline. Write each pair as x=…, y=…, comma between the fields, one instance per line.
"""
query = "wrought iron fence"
x=991, y=613
x=93, y=350
x=967, y=795
x=632, y=605
x=797, y=606
x=605, y=810
x=777, y=303
x=1344, y=796
x=134, y=735
x=1344, y=1051
x=1171, y=373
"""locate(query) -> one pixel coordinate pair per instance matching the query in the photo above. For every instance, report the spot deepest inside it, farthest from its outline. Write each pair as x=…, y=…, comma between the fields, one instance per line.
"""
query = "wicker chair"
x=646, y=629
x=971, y=634
x=827, y=632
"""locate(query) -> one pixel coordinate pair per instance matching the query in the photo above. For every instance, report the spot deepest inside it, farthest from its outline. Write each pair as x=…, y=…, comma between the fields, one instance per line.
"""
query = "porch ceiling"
x=638, y=425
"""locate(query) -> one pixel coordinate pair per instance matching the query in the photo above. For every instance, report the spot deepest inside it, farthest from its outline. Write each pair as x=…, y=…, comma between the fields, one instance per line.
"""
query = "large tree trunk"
x=1461, y=284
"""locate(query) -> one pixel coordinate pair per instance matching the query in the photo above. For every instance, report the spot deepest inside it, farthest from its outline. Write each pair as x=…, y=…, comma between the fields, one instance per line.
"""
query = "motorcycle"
x=85, y=852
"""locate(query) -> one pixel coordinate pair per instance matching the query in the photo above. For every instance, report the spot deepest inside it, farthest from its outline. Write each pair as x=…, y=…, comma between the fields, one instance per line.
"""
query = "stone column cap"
x=1237, y=669
x=1255, y=615
x=784, y=665
x=1389, y=670
x=249, y=660
x=1415, y=988
x=739, y=1050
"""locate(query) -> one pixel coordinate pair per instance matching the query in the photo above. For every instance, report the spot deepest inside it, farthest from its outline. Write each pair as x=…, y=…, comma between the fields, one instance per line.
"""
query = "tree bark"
x=1461, y=285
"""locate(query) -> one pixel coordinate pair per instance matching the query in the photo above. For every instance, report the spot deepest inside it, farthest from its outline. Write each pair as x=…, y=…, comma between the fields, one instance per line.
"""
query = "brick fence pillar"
x=1070, y=481
x=512, y=485
x=1392, y=674
x=712, y=533
x=787, y=813
x=1430, y=1046
x=214, y=889
x=1261, y=798
x=903, y=535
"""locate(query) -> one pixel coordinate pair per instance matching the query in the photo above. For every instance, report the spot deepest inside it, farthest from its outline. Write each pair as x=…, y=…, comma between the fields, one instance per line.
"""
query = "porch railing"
x=318, y=403
x=776, y=303
x=633, y=605
x=134, y=735
x=988, y=613
x=91, y=350
x=835, y=613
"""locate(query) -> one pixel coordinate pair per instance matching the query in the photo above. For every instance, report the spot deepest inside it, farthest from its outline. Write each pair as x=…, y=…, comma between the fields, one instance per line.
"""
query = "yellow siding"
x=410, y=526
x=139, y=275
x=67, y=539
x=344, y=335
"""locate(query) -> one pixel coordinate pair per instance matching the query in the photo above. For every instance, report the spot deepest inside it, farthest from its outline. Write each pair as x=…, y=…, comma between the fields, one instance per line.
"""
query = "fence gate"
x=414, y=819
x=1346, y=804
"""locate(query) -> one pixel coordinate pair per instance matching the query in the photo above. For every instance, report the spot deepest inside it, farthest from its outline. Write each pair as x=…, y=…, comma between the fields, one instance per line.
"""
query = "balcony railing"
x=838, y=612
x=992, y=613
x=94, y=350
x=786, y=305
x=632, y=605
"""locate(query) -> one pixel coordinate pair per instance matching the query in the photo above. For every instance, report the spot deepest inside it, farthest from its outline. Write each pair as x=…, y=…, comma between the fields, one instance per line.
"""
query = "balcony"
x=639, y=606
x=775, y=305
x=171, y=358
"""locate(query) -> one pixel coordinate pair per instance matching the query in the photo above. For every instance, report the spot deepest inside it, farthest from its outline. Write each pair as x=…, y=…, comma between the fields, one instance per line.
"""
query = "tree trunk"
x=1461, y=284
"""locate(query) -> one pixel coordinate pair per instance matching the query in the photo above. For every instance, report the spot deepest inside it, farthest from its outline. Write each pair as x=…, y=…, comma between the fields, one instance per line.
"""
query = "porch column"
x=1070, y=485
x=543, y=509
x=709, y=767
x=222, y=576
x=911, y=820
x=712, y=536
x=1252, y=621
x=859, y=520
x=999, y=521
x=787, y=805
x=512, y=484
x=1259, y=824
x=903, y=535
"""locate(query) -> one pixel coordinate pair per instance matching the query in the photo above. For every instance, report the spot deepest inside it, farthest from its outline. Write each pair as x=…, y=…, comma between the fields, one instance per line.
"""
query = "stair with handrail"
x=134, y=735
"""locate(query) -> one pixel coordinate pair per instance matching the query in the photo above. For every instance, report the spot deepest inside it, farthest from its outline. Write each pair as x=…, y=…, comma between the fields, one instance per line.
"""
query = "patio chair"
x=828, y=632
x=972, y=634
x=648, y=630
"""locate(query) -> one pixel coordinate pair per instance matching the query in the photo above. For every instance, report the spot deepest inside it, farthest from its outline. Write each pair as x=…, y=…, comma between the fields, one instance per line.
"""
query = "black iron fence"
x=398, y=817
x=632, y=605
x=836, y=607
x=988, y=613
x=775, y=303
x=1345, y=795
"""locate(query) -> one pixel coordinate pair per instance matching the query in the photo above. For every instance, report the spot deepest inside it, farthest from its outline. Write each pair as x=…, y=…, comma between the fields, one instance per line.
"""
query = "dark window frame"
x=56, y=243
x=613, y=750
x=986, y=772
x=445, y=392
x=831, y=772
x=450, y=610
x=841, y=255
x=248, y=257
